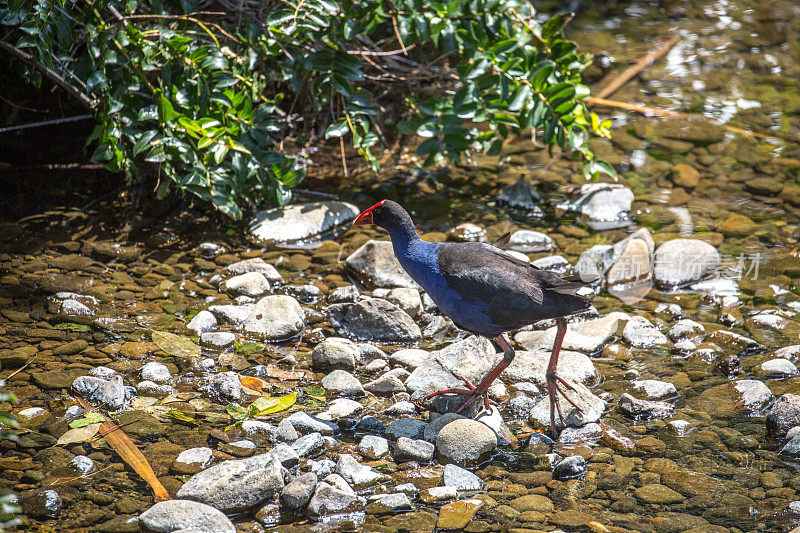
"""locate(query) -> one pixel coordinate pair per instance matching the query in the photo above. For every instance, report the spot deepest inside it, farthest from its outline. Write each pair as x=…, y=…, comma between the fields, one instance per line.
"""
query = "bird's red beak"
x=366, y=216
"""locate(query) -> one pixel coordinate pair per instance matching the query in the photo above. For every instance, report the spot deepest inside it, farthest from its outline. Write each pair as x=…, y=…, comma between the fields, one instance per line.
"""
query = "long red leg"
x=554, y=382
x=480, y=390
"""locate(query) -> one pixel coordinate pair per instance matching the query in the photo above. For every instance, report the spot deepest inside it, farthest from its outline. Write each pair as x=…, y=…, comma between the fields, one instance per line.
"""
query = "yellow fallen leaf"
x=274, y=405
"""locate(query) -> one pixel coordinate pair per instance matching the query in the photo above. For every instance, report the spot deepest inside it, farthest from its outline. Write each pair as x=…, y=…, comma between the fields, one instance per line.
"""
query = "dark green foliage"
x=211, y=101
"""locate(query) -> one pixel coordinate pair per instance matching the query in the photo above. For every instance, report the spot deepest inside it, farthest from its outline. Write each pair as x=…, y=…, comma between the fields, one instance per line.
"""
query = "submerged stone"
x=602, y=205
x=299, y=222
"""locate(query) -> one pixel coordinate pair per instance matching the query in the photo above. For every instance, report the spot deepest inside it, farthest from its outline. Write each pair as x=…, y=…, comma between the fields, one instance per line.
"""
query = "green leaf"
x=428, y=129
x=519, y=97
x=339, y=128
x=540, y=73
x=86, y=419
x=165, y=110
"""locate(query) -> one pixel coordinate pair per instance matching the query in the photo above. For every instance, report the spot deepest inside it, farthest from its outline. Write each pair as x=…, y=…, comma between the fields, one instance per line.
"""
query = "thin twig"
x=54, y=122
x=652, y=56
x=19, y=106
x=658, y=112
x=399, y=38
x=188, y=18
x=381, y=53
x=326, y=195
x=344, y=158
x=53, y=75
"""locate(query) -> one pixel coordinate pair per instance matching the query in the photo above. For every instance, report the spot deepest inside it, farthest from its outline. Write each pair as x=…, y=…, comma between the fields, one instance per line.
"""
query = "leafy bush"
x=8, y=501
x=214, y=100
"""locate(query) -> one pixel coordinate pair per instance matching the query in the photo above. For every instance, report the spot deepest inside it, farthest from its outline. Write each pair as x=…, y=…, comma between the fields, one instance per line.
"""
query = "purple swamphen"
x=485, y=291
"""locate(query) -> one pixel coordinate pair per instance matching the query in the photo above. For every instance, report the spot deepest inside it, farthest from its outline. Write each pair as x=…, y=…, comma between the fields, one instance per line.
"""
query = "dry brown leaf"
x=81, y=434
x=127, y=450
x=279, y=373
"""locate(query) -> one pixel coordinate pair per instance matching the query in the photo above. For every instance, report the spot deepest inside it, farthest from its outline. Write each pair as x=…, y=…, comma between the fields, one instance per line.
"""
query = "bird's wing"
x=515, y=292
x=502, y=242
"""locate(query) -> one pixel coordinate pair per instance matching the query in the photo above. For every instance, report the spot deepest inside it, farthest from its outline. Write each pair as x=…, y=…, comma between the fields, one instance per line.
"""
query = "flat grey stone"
x=375, y=265
x=237, y=485
x=461, y=479
x=373, y=320
x=417, y=450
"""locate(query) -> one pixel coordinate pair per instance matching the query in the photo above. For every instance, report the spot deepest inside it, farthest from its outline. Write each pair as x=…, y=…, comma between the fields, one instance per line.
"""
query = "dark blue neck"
x=403, y=236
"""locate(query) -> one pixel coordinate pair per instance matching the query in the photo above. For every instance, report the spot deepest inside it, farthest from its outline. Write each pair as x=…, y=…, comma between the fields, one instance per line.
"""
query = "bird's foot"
x=555, y=385
x=470, y=395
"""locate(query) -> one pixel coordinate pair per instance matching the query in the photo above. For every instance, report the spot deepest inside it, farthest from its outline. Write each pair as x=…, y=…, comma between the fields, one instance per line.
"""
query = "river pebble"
x=236, y=485
x=465, y=442
x=373, y=320
x=185, y=515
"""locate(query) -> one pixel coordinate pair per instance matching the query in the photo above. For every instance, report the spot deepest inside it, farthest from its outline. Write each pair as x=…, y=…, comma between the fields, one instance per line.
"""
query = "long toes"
x=565, y=383
x=468, y=382
x=447, y=391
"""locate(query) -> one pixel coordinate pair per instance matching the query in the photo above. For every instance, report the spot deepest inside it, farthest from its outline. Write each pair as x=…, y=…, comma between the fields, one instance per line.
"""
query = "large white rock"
x=299, y=222
x=275, y=317
x=682, y=261
x=587, y=336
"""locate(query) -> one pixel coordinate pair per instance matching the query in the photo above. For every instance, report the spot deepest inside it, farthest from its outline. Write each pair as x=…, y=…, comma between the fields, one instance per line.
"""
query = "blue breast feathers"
x=419, y=259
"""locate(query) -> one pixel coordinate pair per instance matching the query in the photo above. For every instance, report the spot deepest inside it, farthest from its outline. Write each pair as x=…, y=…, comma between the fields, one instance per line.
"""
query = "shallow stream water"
x=714, y=469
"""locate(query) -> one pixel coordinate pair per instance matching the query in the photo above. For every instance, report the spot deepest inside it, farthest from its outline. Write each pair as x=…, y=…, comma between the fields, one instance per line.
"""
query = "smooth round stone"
x=465, y=442
x=83, y=464
x=202, y=322
x=176, y=515
x=375, y=366
x=553, y=263
x=275, y=317
x=778, y=368
x=31, y=412
x=406, y=299
x=335, y=353
x=658, y=494
x=405, y=427
x=527, y=241
x=570, y=467
x=682, y=261
x=655, y=389
x=193, y=460
x=344, y=294
x=342, y=383
x=417, y=450
x=157, y=372
x=532, y=502
x=343, y=408
x=252, y=284
x=468, y=232
x=401, y=408
x=259, y=430
x=217, y=340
